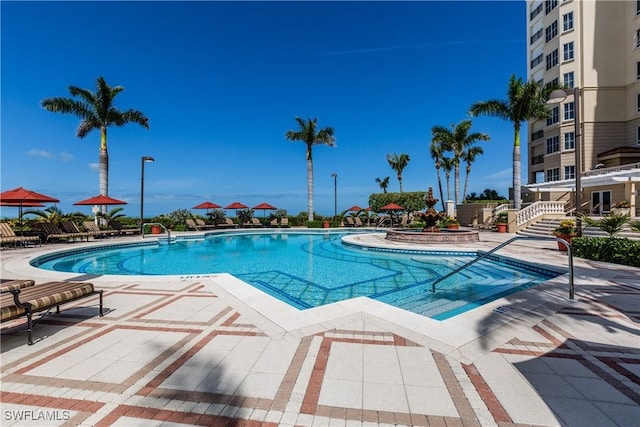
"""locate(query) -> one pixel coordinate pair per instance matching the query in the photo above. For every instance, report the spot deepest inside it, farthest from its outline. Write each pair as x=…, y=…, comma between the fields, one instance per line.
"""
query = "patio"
x=211, y=350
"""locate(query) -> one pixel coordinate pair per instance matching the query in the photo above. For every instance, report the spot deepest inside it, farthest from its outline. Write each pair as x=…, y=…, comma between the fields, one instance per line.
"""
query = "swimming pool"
x=312, y=269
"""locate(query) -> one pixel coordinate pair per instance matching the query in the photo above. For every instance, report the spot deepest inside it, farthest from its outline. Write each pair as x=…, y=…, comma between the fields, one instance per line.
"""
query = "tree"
x=307, y=133
x=96, y=111
x=469, y=156
x=525, y=101
x=384, y=183
x=447, y=165
x=457, y=140
x=398, y=162
x=437, y=152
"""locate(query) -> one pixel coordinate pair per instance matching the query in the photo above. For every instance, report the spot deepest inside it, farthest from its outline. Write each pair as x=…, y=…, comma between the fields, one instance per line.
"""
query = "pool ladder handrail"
x=502, y=245
x=161, y=225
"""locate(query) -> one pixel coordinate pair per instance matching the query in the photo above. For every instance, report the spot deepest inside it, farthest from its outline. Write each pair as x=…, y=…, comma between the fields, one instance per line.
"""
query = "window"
x=552, y=59
x=536, y=35
x=551, y=31
x=553, y=83
x=567, y=79
x=567, y=21
x=537, y=134
x=637, y=7
x=569, y=172
x=553, y=174
x=638, y=135
x=569, y=140
x=637, y=38
x=554, y=117
x=638, y=102
x=549, y=5
x=535, y=12
x=537, y=60
x=567, y=49
x=638, y=70
x=569, y=110
x=553, y=144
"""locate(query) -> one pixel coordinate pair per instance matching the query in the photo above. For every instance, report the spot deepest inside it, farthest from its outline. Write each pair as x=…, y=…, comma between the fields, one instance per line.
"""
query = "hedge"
x=607, y=249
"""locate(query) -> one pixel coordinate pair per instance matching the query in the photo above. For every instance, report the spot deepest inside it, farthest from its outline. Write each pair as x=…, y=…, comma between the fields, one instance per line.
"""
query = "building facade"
x=592, y=46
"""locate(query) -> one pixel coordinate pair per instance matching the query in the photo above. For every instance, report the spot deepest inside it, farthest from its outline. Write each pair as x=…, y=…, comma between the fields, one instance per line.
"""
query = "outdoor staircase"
x=545, y=227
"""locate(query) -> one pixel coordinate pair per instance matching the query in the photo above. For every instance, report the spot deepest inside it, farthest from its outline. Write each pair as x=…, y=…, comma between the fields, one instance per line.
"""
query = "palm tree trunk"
x=448, y=187
x=103, y=175
x=456, y=183
x=310, y=189
x=466, y=182
x=400, y=182
x=516, y=169
x=440, y=186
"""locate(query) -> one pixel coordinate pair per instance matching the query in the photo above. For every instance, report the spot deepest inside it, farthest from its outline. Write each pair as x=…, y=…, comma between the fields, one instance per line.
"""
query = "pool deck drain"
x=212, y=350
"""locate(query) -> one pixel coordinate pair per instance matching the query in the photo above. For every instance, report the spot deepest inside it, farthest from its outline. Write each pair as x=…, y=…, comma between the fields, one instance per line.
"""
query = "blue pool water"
x=312, y=269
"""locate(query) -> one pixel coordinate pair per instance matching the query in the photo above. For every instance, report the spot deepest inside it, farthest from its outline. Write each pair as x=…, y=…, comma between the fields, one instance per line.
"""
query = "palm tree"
x=383, y=183
x=96, y=111
x=469, y=156
x=447, y=165
x=437, y=152
x=307, y=133
x=398, y=163
x=525, y=101
x=457, y=140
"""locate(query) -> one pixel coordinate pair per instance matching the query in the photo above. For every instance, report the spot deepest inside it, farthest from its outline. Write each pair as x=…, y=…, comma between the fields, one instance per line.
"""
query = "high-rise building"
x=592, y=47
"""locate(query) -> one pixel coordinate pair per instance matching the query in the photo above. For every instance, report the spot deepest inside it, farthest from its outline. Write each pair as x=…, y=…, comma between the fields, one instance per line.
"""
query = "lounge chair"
x=358, y=222
x=120, y=230
x=284, y=222
x=228, y=223
x=274, y=223
x=71, y=228
x=92, y=227
x=203, y=225
x=7, y=235
x=255, y=222
x=191, y=224
x=25, y=299
x=347, y=221
x=53, y=232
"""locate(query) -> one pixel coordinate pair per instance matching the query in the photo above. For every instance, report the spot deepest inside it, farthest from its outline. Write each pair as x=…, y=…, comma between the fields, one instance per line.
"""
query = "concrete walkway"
x=212, y=350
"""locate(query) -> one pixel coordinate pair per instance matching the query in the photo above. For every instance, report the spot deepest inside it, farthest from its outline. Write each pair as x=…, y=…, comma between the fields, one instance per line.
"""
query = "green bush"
x=314, y=224
x=616, y=251
x=411, y=201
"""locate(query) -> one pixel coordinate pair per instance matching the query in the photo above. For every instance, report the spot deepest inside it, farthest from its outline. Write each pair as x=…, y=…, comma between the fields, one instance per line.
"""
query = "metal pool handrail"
x=502, y=245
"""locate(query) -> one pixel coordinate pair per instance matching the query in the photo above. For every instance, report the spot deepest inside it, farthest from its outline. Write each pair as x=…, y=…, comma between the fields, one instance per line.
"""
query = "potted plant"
x=622, y=207
x=501, y=222
x=450, y=222
x=566, y=231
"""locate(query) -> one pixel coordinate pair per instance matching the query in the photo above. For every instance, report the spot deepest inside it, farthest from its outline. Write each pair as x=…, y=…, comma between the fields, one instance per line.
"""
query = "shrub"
x=616, y=251
x=314, y=224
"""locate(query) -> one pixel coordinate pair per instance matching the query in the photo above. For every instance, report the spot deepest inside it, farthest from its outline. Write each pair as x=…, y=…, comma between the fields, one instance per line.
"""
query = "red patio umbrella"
x=100, y=200
x=21, y=197
x=207, y=205
x=236, y=205
x=392, y=207
x=26, y=205
x=355, y=208
x=264, y=207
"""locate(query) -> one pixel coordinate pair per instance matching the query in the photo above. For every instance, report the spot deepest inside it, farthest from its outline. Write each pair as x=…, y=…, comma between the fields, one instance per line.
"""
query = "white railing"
x=500, y=208
x=539, y=209
x=602, y=171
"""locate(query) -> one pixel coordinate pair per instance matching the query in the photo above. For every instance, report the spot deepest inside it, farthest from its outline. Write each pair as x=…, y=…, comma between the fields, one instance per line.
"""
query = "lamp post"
x=335, y=195
x=143, y=160
x=556, y=97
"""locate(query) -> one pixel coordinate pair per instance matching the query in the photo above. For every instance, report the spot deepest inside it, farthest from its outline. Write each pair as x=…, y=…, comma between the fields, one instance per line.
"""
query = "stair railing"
x=502, y=245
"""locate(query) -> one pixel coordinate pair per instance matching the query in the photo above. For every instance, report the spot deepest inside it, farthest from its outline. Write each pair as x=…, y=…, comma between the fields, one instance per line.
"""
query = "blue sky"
x=221, y=83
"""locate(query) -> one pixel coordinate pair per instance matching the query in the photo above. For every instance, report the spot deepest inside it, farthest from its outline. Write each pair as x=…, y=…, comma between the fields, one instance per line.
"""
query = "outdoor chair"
x=203, y=225
x=274, y=223
x=284, y=222
x=53, y=232
x=21, y=298
x=348, y=222
x=71, y=228
x=120, y=230
x=7, y=235
x=92, y=227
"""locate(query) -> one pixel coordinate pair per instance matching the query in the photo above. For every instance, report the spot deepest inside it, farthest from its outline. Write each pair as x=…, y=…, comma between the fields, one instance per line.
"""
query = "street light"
x=143, y=160
x=556, y=97
x=335, y=195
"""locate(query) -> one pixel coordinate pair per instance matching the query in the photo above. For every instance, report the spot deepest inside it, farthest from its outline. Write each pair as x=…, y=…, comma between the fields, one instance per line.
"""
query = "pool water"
x=312, y=269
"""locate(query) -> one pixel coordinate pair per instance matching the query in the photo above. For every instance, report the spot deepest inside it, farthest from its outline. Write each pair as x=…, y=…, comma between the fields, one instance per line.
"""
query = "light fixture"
x=143, y=161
